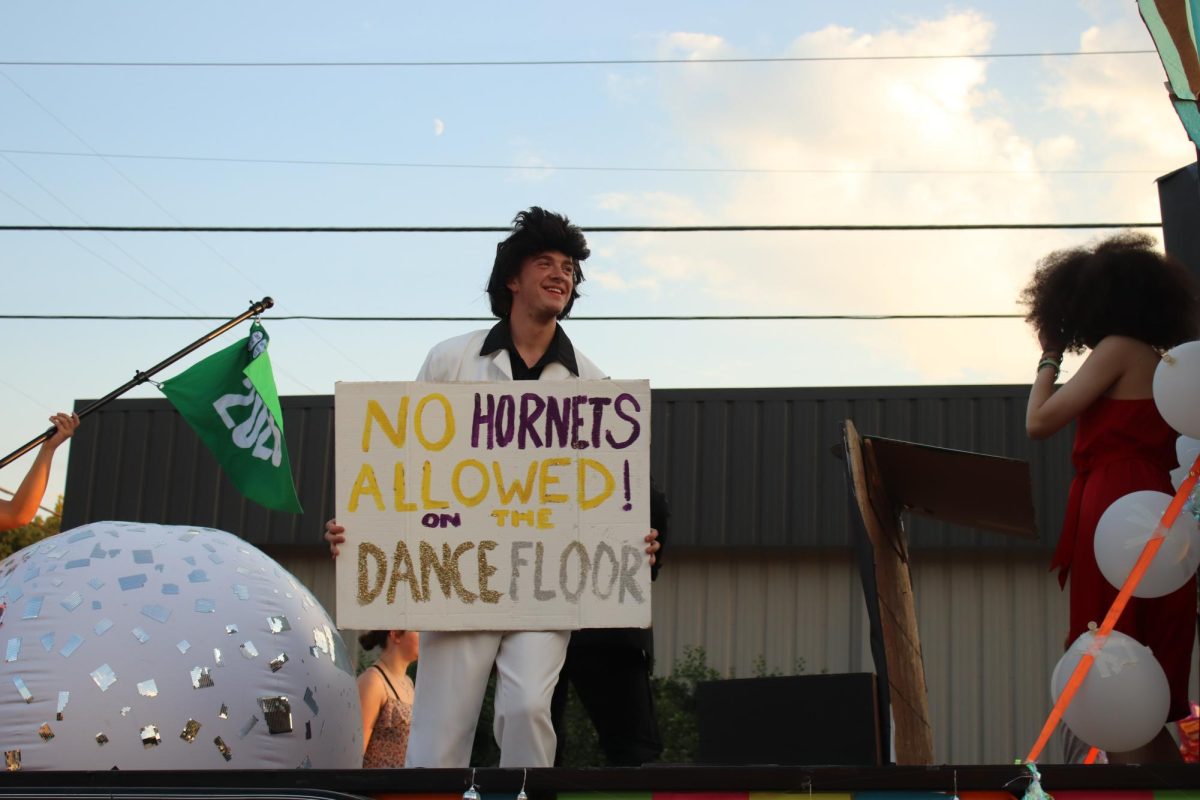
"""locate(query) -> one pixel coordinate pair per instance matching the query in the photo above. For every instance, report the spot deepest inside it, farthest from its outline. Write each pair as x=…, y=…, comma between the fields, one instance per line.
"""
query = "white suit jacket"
x=458, y=359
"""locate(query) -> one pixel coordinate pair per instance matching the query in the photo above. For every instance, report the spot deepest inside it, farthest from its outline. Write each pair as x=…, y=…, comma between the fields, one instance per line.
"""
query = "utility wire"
x=576, y=62
x=575, y=167
x=981, y=226
x=589, y=318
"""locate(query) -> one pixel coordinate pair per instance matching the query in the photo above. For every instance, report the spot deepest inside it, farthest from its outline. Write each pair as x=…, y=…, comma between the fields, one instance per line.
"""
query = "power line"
x=576, y=62
x=574, y=167
x=981, y=226
x=591, y=318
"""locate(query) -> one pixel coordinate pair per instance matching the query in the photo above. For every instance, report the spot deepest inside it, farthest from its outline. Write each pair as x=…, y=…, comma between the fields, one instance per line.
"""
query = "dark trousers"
x=613, y=684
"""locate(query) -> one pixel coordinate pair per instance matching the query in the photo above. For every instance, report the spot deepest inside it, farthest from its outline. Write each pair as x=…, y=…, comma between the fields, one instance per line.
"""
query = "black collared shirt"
x=560, y=350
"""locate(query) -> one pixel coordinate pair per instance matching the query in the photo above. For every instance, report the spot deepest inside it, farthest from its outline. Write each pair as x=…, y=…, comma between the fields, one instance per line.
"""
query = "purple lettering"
x=482, y=418
x=505, y=426
x=598, y=404
x=577, y=421
x=557, y=421
x=528, y=418
x=635, y=426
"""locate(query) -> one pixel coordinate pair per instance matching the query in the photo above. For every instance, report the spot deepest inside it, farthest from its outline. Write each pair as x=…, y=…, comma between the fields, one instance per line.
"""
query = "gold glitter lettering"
x=543, y=519
x=365, y=595
x=449, y=576
x=402, y=570
x=366, y=484
x=486, y=570
x=522, y=516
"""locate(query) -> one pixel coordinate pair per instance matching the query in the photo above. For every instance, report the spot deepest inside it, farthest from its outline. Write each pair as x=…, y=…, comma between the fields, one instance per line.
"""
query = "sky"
x=1036, y=139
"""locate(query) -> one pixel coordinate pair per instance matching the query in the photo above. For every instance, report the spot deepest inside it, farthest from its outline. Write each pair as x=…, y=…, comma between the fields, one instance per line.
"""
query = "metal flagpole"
x=141, y=377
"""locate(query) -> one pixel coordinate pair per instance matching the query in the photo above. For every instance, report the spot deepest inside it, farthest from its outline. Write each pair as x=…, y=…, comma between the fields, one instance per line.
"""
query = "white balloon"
x=1177, y=388
x=1177, y=476
x=1124, y=700
x=1186, y=451
x=168, y=647
x=1122, y=533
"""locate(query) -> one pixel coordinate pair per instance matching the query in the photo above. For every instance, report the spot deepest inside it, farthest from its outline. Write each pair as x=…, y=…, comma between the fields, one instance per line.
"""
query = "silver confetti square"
x=157, y=613
x=104, y=677
x=188, y=734
x=184, y=645
x=143, y=556
x=224, y=712
x=249, y=650
x=310, y=700
x=241, y=592
x=278, y=661
x=278, y=624
x=33, y=609
x=231, y=629
x=148, y=688
x=78, y=563
x=217, y=656
x=197, y=576
x=46, y=732
x=150, y=737
x=170, y=588
x=72, y=601
x=204, y=605
x=125, y=710
x=132, y=582
x=101, y=627
x=71, y=646
x=63, y=699
x=96, y=584
x=47, y=641
x=13, y=649
x=140, y=635
x=26, y=695
x=201, y=678
x=277, y=711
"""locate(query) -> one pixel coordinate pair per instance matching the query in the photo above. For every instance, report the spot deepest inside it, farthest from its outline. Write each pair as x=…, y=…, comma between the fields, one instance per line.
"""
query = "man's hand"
x=652, y=546
x=335, y=534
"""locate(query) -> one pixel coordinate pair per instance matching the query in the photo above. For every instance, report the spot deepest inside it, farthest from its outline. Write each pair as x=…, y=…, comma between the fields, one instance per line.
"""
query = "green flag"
x=231, y=403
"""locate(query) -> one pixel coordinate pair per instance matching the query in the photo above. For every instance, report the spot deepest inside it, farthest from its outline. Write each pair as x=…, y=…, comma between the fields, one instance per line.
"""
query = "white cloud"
x=850, y=123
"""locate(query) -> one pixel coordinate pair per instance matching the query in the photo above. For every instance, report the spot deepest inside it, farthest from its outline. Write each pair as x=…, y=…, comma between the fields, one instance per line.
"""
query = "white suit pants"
x=452, y=676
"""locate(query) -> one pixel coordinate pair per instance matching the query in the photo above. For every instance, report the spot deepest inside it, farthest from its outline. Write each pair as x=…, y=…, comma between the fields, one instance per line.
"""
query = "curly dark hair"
x=535, y=231
x=372, y=639
x=1119, y=286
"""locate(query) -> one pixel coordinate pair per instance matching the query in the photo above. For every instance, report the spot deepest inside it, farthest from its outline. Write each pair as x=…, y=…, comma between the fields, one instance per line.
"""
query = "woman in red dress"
x=1125, y=303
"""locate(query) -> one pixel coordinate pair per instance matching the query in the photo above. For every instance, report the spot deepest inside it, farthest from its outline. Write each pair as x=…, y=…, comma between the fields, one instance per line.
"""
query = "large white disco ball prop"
x=1177, y=388
x=1124, y=700
x=1122, y=533
x=143, y=646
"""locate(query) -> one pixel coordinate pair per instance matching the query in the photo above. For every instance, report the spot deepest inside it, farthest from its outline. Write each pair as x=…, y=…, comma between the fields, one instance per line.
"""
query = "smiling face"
x=542, y=286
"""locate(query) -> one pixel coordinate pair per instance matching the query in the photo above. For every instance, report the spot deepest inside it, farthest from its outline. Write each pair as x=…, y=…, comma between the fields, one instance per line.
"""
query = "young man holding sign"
x=533, y=285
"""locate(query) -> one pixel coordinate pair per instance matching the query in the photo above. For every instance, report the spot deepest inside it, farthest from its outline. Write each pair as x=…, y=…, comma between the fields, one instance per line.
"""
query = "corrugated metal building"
x=758, y=567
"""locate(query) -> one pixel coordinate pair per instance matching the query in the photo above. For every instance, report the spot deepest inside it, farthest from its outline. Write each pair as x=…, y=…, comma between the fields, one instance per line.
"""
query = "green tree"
x=35, y=531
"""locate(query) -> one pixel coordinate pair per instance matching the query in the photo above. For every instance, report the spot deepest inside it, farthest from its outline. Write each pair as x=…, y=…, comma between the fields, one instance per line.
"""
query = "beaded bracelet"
x=1050, y=362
